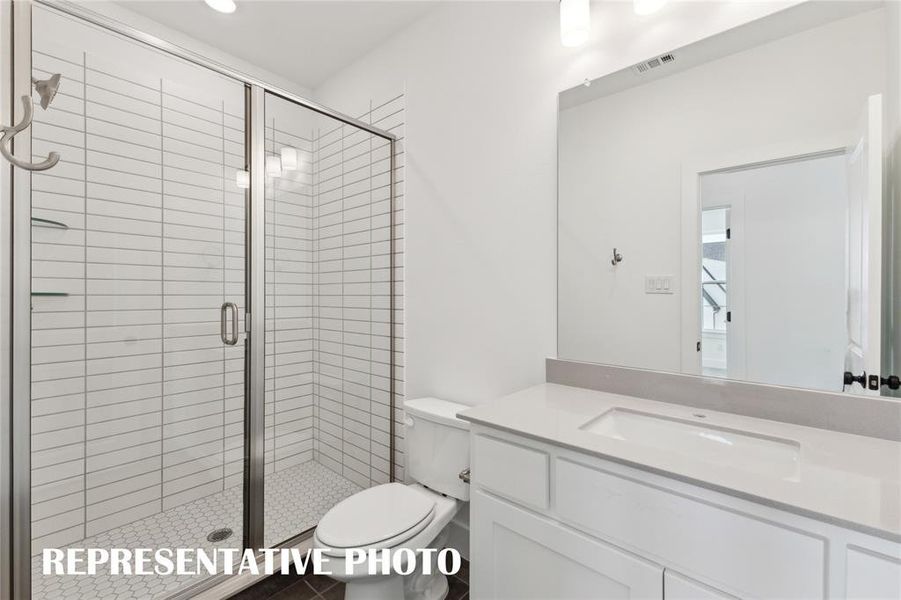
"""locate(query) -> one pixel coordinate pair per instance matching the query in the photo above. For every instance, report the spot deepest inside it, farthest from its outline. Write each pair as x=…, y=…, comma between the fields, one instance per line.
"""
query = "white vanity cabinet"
x=552, y=523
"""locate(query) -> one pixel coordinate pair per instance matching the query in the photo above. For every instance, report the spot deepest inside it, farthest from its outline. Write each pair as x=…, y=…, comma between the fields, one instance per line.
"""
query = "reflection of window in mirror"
x=714, y=293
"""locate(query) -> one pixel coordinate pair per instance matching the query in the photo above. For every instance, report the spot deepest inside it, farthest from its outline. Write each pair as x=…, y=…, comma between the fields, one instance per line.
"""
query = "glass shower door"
x=138, y=289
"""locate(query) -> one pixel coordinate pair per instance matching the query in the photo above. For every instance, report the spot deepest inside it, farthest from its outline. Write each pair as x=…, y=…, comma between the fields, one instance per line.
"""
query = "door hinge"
x=698, y=347
x=247, y=320
x=728, y=316
x=728, y=233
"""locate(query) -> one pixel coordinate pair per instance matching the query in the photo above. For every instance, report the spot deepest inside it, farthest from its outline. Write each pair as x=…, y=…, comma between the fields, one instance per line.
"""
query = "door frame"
x=693, y=167
x=870, y=126
x=15, y=290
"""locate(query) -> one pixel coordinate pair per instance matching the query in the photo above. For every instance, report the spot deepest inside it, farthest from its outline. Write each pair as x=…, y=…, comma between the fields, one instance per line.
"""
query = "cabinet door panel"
x=872, y=576
x=517, y=555
x=679, y=587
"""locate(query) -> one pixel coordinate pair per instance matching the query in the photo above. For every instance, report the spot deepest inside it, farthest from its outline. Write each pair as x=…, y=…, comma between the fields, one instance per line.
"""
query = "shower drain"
x=217, y=535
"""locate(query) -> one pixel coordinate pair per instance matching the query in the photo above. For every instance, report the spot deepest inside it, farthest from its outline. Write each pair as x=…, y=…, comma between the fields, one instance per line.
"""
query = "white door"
x=864, y=248
x=517, y=555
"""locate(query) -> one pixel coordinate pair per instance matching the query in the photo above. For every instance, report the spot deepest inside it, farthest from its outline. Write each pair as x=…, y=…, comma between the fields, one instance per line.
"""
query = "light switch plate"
x=658, y=284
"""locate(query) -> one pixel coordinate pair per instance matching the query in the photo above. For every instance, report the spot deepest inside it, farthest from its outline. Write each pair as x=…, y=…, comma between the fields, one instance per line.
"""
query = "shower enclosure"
x=201, y=340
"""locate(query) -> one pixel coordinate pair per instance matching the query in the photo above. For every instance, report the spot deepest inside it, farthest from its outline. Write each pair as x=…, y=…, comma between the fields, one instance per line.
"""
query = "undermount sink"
x=742, y=450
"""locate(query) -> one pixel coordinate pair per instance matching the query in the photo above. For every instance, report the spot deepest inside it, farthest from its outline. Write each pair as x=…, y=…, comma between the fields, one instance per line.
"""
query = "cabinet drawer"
x=517, y=473
x=517, y=555
x=744, y=555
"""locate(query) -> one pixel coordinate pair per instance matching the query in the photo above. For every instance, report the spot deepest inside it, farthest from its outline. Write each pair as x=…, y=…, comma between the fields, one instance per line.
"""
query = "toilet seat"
x=383, y=516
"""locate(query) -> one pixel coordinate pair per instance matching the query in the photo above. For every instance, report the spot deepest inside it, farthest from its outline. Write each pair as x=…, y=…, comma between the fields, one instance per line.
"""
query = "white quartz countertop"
x=849, y=480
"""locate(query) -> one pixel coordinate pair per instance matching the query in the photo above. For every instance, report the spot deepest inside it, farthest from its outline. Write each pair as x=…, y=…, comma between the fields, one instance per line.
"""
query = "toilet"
x=396, y=516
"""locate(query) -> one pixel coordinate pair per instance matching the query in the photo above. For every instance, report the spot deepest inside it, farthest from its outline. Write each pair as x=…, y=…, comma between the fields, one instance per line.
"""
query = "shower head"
x=46, y=89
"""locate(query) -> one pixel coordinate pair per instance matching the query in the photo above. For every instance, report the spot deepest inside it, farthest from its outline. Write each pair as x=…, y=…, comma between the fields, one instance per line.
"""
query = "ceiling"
x=303, y=41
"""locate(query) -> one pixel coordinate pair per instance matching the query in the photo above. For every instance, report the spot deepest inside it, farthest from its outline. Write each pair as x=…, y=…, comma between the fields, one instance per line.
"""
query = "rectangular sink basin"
x=750, y=452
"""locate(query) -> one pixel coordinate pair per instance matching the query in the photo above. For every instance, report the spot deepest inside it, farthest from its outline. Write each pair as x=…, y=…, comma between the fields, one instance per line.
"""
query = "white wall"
x=621, y=162
x=481, y=83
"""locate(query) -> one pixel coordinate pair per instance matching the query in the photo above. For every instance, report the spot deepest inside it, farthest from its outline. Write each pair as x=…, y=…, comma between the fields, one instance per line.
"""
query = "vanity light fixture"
x=289, y=158
x=575, y=22
x=223, y=6
x=273, y=166
x=647, y=7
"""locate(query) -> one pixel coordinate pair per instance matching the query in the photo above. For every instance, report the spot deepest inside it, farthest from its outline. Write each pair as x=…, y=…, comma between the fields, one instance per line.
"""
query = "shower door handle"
x=223, y=323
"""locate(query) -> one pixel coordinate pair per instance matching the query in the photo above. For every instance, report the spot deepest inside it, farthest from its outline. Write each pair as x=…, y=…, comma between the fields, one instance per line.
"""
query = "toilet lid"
x=390, y=512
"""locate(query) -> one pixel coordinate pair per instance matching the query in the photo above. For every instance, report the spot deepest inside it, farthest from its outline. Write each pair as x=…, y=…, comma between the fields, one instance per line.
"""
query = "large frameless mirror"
x=725, y=209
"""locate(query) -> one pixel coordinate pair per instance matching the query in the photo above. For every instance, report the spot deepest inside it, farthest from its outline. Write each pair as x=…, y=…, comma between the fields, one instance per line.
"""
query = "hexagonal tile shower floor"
x=296, y=499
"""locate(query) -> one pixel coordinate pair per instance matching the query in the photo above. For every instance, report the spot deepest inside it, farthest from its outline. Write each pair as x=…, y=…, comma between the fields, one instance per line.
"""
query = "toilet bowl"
x=413, y=517
x=400, y=518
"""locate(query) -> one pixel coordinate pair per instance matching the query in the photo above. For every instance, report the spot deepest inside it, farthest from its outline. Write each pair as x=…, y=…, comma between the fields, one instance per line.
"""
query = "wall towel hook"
x=10, y=132
x=617, y=258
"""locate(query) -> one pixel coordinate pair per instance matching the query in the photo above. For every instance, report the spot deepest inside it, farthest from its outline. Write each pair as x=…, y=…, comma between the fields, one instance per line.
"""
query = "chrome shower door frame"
x=254, y=409
x=15, y=291
x=15, y=322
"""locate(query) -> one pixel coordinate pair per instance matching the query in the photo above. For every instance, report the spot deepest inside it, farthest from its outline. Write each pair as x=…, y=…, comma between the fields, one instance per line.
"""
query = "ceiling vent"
x=644, y=67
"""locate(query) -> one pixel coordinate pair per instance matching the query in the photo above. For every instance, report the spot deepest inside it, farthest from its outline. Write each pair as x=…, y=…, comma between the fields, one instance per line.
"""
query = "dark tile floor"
x=320, y=587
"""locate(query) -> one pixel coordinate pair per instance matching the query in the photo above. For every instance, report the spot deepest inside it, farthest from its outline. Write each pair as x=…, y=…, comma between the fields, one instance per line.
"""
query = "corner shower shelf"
x=38, y=222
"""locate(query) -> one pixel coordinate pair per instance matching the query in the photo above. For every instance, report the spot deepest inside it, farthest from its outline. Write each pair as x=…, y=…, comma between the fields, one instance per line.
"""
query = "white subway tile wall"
x=289, y=297
x=388, y=115
x=353, y=279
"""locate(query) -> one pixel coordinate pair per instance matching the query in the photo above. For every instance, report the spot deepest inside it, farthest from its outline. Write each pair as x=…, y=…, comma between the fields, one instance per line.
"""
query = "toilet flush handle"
x=465, y=475
x=408, y=421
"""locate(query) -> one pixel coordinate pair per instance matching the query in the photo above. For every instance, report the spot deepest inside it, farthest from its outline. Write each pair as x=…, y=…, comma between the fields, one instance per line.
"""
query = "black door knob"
x=893, y=382
x=850, y=379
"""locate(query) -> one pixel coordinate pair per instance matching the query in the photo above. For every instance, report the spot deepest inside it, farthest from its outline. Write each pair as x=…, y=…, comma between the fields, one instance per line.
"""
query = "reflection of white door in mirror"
x=786, y=251
x=785, y=263
x=864, y=245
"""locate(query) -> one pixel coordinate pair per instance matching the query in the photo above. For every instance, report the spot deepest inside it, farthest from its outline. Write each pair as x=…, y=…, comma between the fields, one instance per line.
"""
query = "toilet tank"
x=437, y=445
